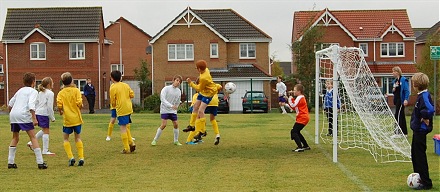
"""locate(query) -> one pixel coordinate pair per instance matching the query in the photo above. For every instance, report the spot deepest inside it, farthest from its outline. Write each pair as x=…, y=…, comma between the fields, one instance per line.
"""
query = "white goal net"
x=355, y=114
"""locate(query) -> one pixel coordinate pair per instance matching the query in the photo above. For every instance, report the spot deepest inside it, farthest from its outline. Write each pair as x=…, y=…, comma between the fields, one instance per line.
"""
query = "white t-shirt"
x=23, y=101
x=281, y=89
x=44, y=104
x=169, y=96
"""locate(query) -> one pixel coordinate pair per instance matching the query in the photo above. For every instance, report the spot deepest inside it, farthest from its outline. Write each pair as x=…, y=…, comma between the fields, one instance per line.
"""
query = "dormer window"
x=38, y=51
x=392, y=50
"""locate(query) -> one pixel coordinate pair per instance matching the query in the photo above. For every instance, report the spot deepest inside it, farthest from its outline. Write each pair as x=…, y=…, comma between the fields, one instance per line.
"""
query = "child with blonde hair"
x=44, y=113
x=69, y=103
x=302, y=118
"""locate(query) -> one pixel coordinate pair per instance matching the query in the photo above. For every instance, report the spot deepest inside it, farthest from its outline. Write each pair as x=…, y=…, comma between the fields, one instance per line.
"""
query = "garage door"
x=235, y=102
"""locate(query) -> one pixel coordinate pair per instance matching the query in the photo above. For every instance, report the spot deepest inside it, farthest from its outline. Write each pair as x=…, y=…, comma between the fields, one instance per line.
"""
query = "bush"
x=152, y=103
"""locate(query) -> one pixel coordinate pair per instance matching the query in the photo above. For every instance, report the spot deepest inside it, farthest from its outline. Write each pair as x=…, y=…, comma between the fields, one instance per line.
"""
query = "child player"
x=69, y=103
x=120, y=99
x=22, y=117
x=302, y=118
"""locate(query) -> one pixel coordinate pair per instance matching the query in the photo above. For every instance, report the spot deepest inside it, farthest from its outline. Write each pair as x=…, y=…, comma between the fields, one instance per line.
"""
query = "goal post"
x=359, y=114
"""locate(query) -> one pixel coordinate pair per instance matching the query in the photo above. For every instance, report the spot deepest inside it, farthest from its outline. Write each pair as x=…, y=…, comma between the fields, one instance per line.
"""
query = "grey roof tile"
x=238, y=70
x=57, y=22
x=434, y=29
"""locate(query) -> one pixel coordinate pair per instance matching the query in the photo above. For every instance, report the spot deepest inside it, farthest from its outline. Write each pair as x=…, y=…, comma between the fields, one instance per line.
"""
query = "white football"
x=413, y=180
x=230, y=87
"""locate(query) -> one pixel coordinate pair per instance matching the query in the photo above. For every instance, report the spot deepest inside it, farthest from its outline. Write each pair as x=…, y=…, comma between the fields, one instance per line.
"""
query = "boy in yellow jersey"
x=120, y=99
x=69, y=103
x=111, y=124
x=207, y=89
x=212, y=109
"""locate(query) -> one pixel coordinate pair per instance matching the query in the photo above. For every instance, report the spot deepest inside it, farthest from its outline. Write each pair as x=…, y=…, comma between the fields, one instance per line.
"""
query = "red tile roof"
x=373, y=22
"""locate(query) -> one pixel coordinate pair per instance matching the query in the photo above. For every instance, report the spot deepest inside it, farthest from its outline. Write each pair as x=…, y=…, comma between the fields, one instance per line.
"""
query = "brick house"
x=421, y=40
x=134, y=43
x=2, y=74
x=51, y=41
x=385, y=36
x=234, y=48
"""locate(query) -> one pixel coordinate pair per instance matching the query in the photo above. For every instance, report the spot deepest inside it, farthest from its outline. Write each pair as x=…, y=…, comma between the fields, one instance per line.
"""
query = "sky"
x=274, y=17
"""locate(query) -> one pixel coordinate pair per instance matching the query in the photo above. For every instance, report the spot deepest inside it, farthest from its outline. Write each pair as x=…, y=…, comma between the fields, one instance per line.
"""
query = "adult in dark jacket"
x=401, y=97
x=89, y=93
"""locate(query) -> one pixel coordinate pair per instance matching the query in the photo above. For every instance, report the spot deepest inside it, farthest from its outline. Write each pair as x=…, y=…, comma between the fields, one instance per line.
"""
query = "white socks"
x=38, y=155
x=39, y=134
x=176, y=134
x=284, y=110
x=158, y=133
x=11, y=157
x=45, y=143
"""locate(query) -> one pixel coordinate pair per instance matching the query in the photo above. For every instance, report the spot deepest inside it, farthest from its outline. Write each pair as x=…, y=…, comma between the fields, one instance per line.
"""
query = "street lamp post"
x=120, y=44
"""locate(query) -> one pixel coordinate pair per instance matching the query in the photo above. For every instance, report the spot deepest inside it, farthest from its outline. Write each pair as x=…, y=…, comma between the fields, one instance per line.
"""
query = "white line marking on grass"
x=341, y=166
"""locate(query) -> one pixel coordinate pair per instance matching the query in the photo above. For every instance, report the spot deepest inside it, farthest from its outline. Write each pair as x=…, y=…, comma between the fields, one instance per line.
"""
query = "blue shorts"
x=124, y=120
x=70, y=130
x=282, y=99
x=113, y=113
x=204, y=99
x=212, y=110
x=16, y=127
x=43, y=121
x=170, y=116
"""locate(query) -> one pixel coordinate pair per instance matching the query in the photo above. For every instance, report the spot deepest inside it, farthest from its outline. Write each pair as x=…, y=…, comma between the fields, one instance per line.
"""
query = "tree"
x=427, y=65
x=141, y=75
x=304, y=59
x=276, y=69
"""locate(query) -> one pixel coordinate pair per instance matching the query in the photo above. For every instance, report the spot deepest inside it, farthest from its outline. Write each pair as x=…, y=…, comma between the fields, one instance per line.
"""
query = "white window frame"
x=80, y=84
x=213, y=50
x=246, y=49
x=1, y=69
x=176, y=50
x=387, y=47
x=114, y=67
x=79, y=54
x=38, y=46
x=364, y=49
x=388, y=85
x=191, y=91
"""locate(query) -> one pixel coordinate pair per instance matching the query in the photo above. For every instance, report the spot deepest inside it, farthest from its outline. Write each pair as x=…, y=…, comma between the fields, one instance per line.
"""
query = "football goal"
x=359, y=114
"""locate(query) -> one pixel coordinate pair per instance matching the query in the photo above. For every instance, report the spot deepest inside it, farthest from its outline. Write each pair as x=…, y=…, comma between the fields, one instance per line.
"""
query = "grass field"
x=254, y=155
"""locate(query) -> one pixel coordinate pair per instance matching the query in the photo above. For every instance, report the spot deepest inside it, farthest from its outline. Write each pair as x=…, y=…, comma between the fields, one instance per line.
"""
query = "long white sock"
x=176, y=134
x=45, y=143
x=158, y=133
x=38, y=156
x=39, y=134
x=11, y=156
x=282, y=108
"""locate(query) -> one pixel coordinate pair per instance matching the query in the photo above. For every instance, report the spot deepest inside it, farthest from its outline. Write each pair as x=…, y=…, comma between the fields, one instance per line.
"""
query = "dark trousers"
x=91, y=101
x=418, y=157
x=400, y=118
x=329, y=114
x=295, y=134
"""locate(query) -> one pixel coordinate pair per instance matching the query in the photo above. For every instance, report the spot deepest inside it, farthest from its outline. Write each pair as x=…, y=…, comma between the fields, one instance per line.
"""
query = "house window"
x=388, y=85
x=37, y=82
x=1, y=69
x=247, y=50
x=80, y=84
x=77, y=51
x=2, y=85
x=392, y=49
x=114, y=67
x=186, y=89
x=364, y=47
x=214, y=50
x=38, y=51
x=180, y=52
